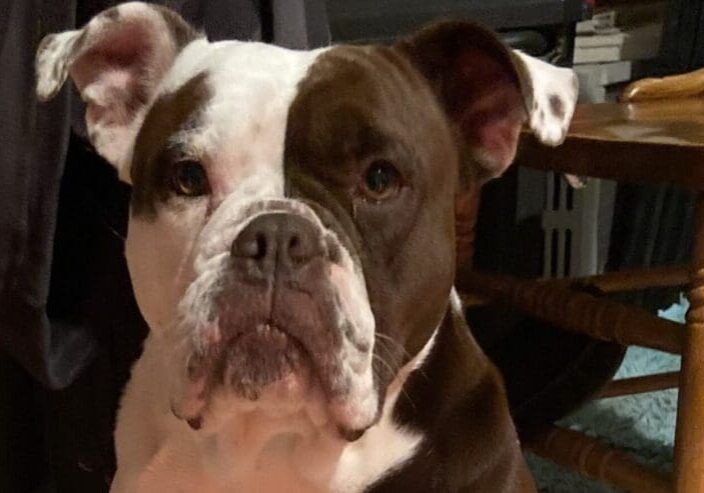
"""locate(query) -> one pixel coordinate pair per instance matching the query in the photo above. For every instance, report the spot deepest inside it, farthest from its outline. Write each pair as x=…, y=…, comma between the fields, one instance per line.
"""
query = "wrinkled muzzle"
x=278, y=307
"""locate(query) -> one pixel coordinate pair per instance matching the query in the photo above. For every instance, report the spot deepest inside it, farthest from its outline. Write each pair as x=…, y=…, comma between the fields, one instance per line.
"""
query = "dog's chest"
x=309, y=463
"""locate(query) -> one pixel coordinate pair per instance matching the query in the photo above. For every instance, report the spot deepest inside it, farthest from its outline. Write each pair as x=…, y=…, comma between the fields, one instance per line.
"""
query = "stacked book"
x=600, y=40
x=608, y=43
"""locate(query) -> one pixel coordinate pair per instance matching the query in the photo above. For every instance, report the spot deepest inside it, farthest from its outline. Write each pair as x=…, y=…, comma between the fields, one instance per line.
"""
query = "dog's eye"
x=190, y=179
x=381, y=180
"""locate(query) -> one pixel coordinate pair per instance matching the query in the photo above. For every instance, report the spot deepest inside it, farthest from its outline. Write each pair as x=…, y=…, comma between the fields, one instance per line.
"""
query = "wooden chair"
x=655, y=134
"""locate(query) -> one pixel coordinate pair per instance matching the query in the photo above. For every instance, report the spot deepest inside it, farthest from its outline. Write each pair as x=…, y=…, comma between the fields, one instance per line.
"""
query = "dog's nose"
x=277, y=241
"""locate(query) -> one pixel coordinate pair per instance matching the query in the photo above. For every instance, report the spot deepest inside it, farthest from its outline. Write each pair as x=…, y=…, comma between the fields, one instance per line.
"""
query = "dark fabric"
x=69, y=325
x=90, y=288
x=34, y=139
x=653, y=225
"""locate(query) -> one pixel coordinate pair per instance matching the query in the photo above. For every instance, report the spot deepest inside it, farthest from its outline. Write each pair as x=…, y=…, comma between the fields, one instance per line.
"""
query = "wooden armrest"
x=675, y=86
x=652, y=141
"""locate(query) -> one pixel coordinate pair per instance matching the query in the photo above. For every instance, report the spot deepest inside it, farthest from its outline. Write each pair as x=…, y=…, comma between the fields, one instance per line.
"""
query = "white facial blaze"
x=242, y=129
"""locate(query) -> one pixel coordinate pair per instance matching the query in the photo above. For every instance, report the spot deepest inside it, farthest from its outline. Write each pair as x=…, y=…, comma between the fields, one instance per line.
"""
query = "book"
x=634, y=43
x=605, y=74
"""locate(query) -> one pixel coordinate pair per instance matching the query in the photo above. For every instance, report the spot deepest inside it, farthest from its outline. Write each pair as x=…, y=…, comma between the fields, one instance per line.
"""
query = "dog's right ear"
x=116, y=61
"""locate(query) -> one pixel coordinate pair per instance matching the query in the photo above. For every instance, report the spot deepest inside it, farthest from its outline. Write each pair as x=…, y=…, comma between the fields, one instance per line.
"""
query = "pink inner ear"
x=112, y=73
x=486, y=102
x=123, y=48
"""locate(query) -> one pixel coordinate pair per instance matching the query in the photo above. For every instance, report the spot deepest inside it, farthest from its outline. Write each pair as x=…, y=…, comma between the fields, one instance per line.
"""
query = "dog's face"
x=291, y=240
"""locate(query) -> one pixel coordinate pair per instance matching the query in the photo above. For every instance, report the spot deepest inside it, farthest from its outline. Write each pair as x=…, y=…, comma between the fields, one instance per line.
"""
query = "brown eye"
x=381, y=180
x=189, y=179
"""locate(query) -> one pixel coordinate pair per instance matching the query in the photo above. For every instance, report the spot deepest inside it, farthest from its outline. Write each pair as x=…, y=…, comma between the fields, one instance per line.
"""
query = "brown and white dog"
x=291, y=246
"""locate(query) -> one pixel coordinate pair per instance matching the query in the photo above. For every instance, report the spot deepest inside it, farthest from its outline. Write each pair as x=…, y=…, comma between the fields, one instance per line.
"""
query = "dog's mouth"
x=247, y=364
x=276, y=366
x=255, y=359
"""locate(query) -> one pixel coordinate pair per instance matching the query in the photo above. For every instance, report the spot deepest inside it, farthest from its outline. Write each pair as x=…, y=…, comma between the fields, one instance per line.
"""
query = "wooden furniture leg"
x=689, y=438
x=640, y=385
x=596, y=460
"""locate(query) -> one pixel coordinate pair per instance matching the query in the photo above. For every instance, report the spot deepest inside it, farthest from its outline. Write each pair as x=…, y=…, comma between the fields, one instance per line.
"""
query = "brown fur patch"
x=362, y=104
x=182, y=32
x=152, y=159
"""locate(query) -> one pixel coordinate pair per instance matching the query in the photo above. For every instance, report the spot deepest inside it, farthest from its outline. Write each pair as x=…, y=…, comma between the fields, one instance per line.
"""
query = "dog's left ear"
x=490, y=90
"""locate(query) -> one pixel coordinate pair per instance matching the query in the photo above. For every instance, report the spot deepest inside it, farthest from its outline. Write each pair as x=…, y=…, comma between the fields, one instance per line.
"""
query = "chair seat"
x=654, y=141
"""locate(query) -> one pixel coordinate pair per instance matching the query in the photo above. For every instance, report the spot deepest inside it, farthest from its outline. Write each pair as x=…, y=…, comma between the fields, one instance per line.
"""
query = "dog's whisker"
x=383, y=362
x=385, y=340
x=389, y=345
x=389, y=340
x=114, y=231
x=403, y=390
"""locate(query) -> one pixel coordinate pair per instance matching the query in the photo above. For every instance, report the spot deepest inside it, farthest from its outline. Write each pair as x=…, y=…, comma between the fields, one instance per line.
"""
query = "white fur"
x=243, y=159
x=540, y=81
x=53, y=61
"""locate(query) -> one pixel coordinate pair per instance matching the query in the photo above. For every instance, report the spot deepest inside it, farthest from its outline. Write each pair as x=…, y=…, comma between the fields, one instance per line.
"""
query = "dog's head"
x=292, y=218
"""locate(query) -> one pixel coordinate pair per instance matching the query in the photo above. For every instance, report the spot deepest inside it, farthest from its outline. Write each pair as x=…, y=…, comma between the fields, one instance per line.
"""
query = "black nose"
x=278, y=242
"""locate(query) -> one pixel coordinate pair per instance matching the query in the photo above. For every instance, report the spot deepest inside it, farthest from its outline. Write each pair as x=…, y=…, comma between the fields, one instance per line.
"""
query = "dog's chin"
x=268, y=370
x=264, y=359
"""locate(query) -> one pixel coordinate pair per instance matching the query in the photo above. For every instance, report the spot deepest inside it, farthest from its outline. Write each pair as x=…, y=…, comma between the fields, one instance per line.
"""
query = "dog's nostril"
x=247, y=248
x=261, y=247
x=294, y=247
x=302, y=248
x=251, y=245
x=293, y=243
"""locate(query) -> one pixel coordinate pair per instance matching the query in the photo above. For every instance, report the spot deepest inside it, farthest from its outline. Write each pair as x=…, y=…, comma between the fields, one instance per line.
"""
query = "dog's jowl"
x=291, y=246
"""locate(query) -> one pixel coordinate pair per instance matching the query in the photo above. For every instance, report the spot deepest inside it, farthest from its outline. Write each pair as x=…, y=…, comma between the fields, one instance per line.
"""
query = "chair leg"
x=689, y=438
x=640, y=385
x=595, y=460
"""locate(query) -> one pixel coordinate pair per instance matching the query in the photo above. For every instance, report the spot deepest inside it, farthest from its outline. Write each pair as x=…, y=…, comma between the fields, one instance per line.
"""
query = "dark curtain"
x=69, y=326
x=653, y=225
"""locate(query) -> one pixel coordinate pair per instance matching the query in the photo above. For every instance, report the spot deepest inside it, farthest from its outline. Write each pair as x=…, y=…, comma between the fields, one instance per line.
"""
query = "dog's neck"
x=254, y=452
